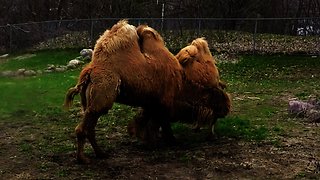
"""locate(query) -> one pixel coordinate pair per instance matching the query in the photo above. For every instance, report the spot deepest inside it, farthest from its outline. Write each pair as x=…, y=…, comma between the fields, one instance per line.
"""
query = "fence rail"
x=236, y=35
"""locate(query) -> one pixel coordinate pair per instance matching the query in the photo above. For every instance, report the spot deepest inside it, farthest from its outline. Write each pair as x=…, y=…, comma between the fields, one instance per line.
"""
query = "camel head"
x=187, y=54
x=198, y=50
x=214, y=99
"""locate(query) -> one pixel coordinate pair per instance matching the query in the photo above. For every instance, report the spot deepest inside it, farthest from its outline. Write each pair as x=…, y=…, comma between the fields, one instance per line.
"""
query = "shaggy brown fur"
x=206, y=108
x=133, y=67
x=120, y=72
x=201, y=83
x=200, y=68
x=198, y=63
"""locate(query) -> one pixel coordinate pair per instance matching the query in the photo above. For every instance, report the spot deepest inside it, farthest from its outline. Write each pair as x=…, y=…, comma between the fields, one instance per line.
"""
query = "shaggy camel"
x=138, y=71
x=120, y=72
x=200, y=68
x=201, y=76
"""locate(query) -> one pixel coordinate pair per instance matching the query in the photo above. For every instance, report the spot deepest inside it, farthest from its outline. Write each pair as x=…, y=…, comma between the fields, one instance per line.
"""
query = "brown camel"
x=200, y=75
x=120, y=72
x=137, y=71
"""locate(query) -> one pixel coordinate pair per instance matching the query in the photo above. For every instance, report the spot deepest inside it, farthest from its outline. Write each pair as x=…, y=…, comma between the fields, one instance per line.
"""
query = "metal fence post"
x=10, y=38
x=91, y=34
x=199, y=27
x=254, y=36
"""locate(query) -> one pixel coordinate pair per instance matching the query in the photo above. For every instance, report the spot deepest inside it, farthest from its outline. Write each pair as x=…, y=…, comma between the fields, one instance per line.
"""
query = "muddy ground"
x=295, y=154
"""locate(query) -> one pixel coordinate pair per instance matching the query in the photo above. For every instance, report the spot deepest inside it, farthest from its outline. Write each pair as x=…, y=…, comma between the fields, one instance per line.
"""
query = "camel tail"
x=82, y=85
x=70, y=96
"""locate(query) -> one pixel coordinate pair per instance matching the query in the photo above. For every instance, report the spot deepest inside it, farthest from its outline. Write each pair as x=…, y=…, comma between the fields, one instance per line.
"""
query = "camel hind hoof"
x=83, y=160
x=101, y=155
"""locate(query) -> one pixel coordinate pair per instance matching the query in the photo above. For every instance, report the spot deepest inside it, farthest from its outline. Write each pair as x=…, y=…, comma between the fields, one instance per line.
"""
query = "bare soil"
x=295, y=154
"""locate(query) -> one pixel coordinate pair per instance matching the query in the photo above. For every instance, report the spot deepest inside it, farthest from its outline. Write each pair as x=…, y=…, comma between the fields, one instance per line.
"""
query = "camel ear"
x=144, y=30
x=187, y=54
x=153, y=32
x=140, y=29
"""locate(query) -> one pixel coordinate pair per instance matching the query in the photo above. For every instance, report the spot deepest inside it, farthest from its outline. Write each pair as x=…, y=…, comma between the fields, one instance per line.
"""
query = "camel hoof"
x=212, y=137
x=171, y=141
x=101, y=155
x=83, y=160
x=196, y=129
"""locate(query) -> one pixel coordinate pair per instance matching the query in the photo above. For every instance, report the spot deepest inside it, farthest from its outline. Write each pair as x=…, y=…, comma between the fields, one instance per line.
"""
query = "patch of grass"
x=119, y=115
x=25, y=147
x=180, y=128
x=236, y=127
x=269, y=72
x=257, y=85
x=271, y=81
x=302, y=95
x=301, y=175
x=63, y=173
x=39, y=60
x=40, y=94
x=31, y=111
x=185, y=158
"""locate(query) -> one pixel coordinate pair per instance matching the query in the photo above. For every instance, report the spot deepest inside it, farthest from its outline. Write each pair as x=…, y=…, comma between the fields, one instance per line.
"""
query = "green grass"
x=40, y=134
x=238, y=128
x=272, y=81
x=40, y=94
x=260, y=86
x=39, y=60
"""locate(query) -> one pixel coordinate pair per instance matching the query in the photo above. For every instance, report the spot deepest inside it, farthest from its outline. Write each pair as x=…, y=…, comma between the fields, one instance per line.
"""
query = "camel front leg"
x=212, y=135
x=164, y=120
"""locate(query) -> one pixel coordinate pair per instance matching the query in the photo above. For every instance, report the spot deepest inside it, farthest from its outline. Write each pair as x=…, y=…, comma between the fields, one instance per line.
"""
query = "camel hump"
x=121, y=35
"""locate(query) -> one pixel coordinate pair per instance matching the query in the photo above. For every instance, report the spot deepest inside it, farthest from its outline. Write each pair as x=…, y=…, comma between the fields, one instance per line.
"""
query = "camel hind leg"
x=101, y=93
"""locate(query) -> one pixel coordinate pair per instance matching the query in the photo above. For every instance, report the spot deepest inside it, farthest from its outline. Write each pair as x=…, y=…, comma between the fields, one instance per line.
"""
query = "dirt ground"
x=292, y=155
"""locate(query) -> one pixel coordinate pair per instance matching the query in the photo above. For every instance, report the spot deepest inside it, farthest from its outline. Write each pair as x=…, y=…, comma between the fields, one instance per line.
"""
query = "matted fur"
x=144, y=31
x=202, y=46
x=120, y=72
x=133, y=67
x=205, y=98
x=120, y=36
x=200, y=68
x=199, y=64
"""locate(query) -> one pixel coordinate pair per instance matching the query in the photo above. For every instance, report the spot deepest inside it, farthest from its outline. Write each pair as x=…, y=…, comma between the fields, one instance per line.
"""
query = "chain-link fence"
x=237, y=35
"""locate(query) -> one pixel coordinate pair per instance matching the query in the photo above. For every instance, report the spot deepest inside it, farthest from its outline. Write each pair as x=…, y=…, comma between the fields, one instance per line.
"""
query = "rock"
x=25, y=56
x=313, y=115
x=309, y=110
x=30, y=73
x=74, y=62
x=7, y=73
x=71, y=66
x=61, y=69
x=39, y=72
x=20, y=72
x=51, y=67
x=86, y=53
x=299, y=108
x=210, y=175
x=48, y=71
x=87, y=59
x=4, y=55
